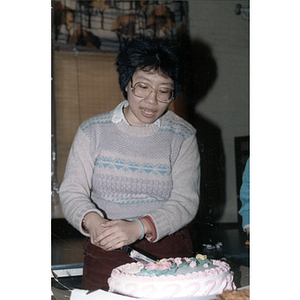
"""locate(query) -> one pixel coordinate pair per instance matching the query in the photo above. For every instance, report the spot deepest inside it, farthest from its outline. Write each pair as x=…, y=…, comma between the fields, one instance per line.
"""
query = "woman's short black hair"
x=148, y=54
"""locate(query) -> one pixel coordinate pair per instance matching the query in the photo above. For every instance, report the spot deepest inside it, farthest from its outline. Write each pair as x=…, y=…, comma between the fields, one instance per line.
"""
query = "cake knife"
x=139, y=255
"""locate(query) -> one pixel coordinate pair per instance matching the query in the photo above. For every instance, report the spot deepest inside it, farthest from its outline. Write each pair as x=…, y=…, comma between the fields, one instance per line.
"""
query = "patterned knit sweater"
x=126, y=172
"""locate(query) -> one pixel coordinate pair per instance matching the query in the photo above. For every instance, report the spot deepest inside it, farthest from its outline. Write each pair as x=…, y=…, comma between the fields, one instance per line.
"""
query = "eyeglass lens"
x=143, y=90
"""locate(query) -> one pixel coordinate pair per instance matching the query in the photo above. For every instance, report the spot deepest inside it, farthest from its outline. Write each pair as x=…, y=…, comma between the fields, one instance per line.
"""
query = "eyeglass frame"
x=153, y=89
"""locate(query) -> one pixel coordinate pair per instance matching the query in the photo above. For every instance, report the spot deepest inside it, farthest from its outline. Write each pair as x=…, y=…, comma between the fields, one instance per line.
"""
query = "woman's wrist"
x=146, y=225
x=88, y=219
x=141, y=227
x=150, y=229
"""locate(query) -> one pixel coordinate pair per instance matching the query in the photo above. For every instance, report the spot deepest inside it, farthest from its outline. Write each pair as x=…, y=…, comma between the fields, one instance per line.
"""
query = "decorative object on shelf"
x=108, y=25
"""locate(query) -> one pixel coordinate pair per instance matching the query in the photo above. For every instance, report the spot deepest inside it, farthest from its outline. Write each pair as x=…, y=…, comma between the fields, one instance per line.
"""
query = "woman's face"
x=143, y=111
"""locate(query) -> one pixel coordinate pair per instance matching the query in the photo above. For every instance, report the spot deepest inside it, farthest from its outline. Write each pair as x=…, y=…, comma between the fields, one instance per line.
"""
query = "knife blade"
x=140, y=255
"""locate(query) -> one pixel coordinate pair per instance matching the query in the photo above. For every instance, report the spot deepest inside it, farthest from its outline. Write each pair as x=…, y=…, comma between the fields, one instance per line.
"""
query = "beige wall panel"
x=67, y=108
x=99, y=89
x=65, y=74
x=67, y=119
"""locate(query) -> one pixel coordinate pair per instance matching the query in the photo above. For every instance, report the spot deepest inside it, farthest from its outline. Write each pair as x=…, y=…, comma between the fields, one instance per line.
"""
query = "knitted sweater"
x=127, y=172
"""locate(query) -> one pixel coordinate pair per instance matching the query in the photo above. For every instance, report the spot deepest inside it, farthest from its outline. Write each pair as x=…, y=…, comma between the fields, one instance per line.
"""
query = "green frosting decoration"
x=159, y=272
x=174, y=267
x=201, y=262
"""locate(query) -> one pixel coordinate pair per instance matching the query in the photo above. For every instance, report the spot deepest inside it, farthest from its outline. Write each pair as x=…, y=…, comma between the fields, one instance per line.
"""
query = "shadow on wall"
x=212, y=189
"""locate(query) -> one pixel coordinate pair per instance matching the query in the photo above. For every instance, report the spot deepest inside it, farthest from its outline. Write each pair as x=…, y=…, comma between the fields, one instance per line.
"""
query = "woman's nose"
x=152, y=98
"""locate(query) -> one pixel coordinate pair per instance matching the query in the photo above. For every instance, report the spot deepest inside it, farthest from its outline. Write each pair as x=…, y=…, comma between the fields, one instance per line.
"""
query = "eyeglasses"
x=143, y=90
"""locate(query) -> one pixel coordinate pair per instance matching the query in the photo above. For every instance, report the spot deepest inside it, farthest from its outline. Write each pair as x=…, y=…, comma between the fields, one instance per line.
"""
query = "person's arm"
x=245, y=198
x=75, y=189
x=182, y=206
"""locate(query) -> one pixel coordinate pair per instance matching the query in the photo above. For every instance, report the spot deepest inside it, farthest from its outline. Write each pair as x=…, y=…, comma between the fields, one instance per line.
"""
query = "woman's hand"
x=92, y=222
x=118, y=233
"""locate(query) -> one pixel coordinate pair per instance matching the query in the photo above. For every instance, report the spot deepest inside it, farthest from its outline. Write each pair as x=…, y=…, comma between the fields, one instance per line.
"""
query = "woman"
x=133, y=174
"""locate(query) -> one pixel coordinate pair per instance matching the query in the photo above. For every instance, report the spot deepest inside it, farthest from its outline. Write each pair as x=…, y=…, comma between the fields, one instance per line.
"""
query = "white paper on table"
x=78, y=294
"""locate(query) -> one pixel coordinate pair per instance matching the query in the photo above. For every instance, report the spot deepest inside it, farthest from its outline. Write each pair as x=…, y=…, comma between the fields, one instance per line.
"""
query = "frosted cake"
x=167, y=278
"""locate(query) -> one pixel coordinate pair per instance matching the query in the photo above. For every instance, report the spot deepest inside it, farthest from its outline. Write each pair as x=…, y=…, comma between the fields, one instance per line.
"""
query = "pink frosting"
x=193, y=264
x=178, y=261
x=165, y=266
x=161, y=266
x=209, y=286
x=222, y=283
x=152, y=266
x=149, y=290
x=131, y=289
x=172, y=290
x=193, y=288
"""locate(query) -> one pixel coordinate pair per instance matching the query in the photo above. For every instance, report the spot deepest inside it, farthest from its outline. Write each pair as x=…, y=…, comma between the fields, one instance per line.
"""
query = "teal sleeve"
x=245, y=196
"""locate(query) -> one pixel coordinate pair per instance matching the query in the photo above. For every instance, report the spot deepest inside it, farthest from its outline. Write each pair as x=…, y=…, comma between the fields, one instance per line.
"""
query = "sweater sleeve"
x=182, y=206
x=245, y=197
x=75, y=189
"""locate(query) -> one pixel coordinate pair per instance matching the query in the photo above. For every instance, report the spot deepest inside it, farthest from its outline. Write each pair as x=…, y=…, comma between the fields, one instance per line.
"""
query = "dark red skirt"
x=99, y=263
